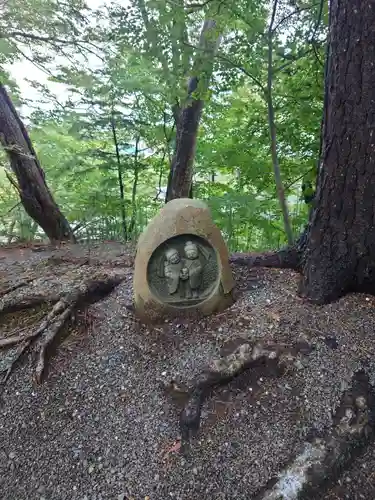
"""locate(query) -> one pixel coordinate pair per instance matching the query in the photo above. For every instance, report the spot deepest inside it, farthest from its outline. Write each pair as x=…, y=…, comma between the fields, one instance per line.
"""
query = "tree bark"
x=33, y=190
x=181, y=174
x=340, y=251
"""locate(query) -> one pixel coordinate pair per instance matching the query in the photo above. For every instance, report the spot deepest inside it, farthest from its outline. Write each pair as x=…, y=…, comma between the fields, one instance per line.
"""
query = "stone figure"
x=184, y=275
x=194, y=270
x=172, y=269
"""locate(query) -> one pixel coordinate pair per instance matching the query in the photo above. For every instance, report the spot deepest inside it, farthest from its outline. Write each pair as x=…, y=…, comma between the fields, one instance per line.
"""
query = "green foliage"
x=117, y=126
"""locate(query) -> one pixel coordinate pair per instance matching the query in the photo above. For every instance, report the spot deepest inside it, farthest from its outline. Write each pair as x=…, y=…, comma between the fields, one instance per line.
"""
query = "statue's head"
x=191, y=250
x=172, y=256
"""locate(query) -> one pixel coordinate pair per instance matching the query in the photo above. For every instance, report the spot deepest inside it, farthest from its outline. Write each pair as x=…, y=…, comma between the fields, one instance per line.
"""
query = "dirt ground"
x=104, y=425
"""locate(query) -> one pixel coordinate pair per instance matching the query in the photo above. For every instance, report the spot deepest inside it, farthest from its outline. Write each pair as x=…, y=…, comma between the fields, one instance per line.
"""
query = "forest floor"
x=104, y=424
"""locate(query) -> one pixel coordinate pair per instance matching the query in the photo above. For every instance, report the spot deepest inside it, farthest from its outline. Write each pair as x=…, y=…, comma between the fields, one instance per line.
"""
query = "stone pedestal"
x=181, y=265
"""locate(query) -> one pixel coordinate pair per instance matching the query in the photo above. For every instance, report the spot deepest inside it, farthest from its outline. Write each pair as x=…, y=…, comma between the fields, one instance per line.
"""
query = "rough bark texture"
x=340, y=253
x=181, y=174
x=33, y=190
x=336, y=253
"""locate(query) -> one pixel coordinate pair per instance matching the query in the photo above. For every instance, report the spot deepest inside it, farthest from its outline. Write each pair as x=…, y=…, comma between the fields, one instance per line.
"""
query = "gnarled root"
x=324, y=458
x=22, y=348
x=223, y=371
x=88, y=291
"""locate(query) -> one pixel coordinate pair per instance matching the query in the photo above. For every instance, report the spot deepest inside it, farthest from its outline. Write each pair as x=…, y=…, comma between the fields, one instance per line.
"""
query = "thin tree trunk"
x=135, y=186
x=272, y=129
x=181, y=174
x=10, y=231
x=31, y=185
x=120, y=178
x=340, y=253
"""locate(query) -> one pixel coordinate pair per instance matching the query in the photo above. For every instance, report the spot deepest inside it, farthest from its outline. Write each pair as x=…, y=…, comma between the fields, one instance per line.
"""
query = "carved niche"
x=183, y=271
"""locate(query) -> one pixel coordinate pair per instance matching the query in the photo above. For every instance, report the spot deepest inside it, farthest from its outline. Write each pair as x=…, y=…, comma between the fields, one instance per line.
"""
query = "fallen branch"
x=223, y=371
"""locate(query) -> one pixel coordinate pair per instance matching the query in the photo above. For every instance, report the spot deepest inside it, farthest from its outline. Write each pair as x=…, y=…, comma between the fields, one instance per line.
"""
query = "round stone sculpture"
x=181, y=265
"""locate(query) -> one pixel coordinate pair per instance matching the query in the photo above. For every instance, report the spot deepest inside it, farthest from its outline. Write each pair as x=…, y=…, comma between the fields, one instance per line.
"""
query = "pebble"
x=361, y=402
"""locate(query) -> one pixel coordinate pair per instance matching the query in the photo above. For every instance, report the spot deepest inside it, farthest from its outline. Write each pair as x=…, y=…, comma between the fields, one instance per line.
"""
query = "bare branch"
x=37, y=38
x=294, y=13
x=295, y=59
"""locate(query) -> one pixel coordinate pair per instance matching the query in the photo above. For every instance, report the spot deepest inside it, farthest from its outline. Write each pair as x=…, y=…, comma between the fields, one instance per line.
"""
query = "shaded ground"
x=101, y=425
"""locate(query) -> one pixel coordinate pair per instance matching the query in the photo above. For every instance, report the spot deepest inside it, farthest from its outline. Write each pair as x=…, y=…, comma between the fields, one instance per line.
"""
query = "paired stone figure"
x=182, y=264
x=183, y=274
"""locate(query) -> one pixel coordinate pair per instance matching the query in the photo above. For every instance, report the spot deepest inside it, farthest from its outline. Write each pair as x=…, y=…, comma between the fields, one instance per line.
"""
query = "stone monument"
x=182, y=264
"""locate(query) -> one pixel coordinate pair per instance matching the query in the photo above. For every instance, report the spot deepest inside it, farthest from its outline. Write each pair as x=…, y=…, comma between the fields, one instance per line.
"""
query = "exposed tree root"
x=324, y=458
x=283, y=259
x=287, y=258
x=88, y=291
x=223, y=371
x=121, y=261
x=13, y=303
x=20, y=284
x=22, y=348
x=48, y=337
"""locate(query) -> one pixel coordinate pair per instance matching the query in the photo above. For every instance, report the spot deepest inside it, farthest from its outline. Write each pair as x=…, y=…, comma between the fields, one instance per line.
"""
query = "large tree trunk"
x=33, y=190
x=181, y=174
x=336, y=253
x=340, y=251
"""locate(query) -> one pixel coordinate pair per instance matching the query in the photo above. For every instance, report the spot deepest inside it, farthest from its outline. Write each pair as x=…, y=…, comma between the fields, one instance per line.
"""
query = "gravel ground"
x=103, y=425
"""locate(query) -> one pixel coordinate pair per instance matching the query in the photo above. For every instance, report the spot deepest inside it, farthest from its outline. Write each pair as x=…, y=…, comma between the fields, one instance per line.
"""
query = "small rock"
x=195, y=471
x=361, y=402
x=298, y=364
x=331, y=342
x=12, y=455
